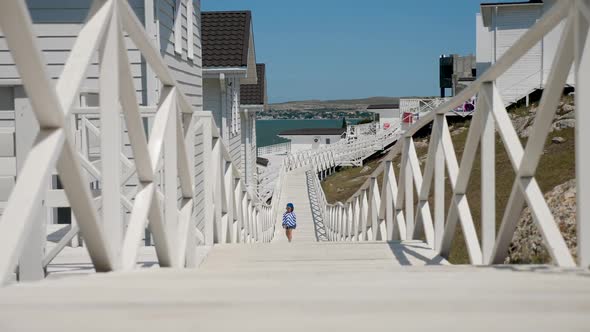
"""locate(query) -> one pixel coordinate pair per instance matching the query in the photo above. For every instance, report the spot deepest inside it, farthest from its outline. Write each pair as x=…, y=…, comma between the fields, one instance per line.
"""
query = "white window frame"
x=190, y=38
x=178, y=27
x=235, y=111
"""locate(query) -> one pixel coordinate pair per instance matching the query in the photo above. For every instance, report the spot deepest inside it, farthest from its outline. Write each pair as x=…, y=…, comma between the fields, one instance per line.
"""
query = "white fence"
x=362, y=130
x=280, y=148
x=390, y=212
x=164, y=164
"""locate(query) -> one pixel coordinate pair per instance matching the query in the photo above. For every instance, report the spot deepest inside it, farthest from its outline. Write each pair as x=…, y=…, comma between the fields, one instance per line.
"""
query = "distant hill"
x=343, y=104
x=363, y=101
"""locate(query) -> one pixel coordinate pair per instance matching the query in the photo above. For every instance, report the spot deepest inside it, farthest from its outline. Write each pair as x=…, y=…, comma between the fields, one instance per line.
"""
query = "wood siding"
x=526, y=74
x=188, y=73
x=220, y=104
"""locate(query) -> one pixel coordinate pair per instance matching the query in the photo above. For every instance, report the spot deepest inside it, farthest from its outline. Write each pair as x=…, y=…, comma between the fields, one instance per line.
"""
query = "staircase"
x=307, y=286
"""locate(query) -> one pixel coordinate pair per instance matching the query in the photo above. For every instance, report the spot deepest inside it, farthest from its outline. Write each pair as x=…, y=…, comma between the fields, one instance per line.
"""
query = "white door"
x=316, y=142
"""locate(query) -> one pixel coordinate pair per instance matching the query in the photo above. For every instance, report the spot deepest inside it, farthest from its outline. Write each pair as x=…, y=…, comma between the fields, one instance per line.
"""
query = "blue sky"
x=341, y=49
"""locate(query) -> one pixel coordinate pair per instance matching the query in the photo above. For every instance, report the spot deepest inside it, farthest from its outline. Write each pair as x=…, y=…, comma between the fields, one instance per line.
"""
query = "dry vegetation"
x=557, y=166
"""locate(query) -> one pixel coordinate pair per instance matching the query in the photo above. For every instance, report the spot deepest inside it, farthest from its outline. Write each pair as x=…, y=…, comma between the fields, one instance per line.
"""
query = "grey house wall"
x=7, y=146
x=58, y=22
x=220, y=104
x=188, y=74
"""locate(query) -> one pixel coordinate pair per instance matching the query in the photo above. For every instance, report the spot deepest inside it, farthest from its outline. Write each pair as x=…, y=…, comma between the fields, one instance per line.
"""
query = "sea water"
x=267, y=130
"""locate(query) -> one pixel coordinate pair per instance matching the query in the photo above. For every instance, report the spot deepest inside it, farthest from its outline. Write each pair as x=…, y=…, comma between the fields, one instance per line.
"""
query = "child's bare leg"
x=289, y=234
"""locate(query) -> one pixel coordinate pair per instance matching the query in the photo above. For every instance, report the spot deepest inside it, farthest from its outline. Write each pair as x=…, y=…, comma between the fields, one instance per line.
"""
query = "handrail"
x=164, y=165
x=275, y=148
x=390, y=212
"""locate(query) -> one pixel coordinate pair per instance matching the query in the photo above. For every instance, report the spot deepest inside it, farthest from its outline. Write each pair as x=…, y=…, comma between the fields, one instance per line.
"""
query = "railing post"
x=488, y=183
x=110, y=137
x=208, y=181
x=228, y=223
x=238, y=210
x=407, y=175
x=374, y=202
x=217, y=182
x=356, y=218
x=26, y=129
x=349, y=222
x=364, y=214
x=387, y=200
x=582, y=70
x=439, y=184
x=170, y=178
x=340, y=223
x=245, y=217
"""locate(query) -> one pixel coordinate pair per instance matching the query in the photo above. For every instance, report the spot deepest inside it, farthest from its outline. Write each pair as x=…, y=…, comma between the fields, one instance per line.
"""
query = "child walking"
x=289, y=221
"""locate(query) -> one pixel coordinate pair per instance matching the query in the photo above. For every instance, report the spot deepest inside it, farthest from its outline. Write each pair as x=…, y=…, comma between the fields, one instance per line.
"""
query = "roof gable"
x=255, y=94
x=313, y=132
x=488, y=7
x=226, y=38
x=383, y=107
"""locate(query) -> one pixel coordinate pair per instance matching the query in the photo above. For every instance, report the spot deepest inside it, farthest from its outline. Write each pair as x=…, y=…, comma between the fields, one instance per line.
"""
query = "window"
x=327, y=141
x=178, y=27
x=190, y=29
x=235, y=110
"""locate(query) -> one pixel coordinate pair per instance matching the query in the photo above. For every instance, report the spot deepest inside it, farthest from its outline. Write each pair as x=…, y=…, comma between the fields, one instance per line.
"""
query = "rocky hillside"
x=527, y=244
x=335, y=105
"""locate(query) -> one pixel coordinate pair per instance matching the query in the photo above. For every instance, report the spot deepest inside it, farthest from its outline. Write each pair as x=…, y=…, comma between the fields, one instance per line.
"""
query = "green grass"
x=343, y=184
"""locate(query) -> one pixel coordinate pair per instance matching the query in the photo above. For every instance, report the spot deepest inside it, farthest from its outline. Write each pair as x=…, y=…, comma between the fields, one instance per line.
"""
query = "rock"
x=339, y=190
x=533, y=110
x=522, y=124
x=421, y=145
x=563, y=124
x=558, y=140
x=527, y=244
x=458, y=131
x=570, y=115
x=526, y=132
x=568, y=108
x=365, y=169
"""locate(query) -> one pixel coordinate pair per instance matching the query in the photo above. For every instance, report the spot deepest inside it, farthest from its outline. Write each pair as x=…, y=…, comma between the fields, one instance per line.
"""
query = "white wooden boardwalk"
x=307, y=287
x=295, y=191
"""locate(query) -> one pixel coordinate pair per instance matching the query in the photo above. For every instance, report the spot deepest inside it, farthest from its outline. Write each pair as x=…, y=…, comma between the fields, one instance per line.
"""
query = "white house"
x=229, y=61
x=312, y=138
x=253, y=99
x=499, y=25
x=175, y=29
x=389, y=115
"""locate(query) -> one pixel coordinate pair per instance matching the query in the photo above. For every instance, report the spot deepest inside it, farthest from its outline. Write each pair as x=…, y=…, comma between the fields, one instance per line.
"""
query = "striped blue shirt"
x=289, y=219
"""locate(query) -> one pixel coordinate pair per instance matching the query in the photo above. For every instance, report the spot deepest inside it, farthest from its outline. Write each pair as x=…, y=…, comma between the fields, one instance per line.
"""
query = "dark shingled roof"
x=313, y=131
x=255, y=94
x=226, y=38
x=383, y=107
x=506, y=3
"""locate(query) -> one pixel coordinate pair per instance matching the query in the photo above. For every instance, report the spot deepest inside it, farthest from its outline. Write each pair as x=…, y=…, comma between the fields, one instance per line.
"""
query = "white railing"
x=391, y=212
x=317, y=202
x=325, y=159
x=420, y=105
x=280, y=148
x=361, y=130
x=164, y=165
